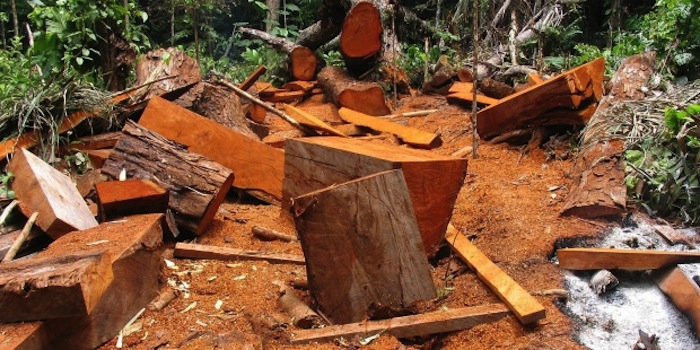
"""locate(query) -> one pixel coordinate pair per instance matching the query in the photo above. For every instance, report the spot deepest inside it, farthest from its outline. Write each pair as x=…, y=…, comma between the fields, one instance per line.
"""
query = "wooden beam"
x=200, y=251
x=407, y=326
x=259, y=168
x=683, y=292
x=433, y=180
x=41, y=188
x=135, y=196
x=197, y=185
x=38, y=288
x=624, y=259
x=411, y=136
x=525, y=307
x=374, y=242
x=311, y=121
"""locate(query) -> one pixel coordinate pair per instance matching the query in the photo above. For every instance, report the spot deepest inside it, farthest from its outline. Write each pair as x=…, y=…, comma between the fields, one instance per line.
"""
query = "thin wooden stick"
x=21, y=238
x=133, y=88
x=475, y=37
x=6, y=212
x=269, y=108
x=410, y=114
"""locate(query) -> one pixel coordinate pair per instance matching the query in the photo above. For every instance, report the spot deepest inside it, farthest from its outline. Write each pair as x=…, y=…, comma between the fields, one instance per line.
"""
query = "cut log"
x=303, y=61
x=199, y=251
x=361, y=37
x=525, y=307
x=683, y=292
x=599, y=171
x=43, y=189
x=161, y=63
x=414, y=137
x=23, y=336
x=136, y=264
x=196, y=185
x=38, y=288
x=433, y=180
x=494, y=88
x=408, y=326
x=623, y=259
x=301, y=314
x=123, y=198
x=259, y=168
x=523, y=108
x=343, y=91
x=252, y=78
x=311, y=121
x=374, y=242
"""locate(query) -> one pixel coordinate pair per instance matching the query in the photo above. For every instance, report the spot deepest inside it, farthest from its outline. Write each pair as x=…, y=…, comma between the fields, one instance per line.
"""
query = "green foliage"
x=664, y=172
x=5, y=191
x=333, y=58
x=413, y=61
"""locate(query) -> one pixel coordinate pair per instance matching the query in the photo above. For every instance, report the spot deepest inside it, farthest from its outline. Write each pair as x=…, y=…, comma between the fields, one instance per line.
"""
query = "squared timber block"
x=433, y=180
x=38, y=288
x=135, y=196
x=259, y=168
x=23, y=336
x=365, y=231
x=43, y=189
x=131, y=246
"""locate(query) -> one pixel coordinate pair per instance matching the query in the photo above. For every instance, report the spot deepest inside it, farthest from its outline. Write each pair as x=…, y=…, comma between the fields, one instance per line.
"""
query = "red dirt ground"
x=506, y=207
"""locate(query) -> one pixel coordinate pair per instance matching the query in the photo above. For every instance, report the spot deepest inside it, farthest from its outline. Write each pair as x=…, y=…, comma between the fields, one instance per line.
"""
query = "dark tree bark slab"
x=373, y=242
x=344, y=91
x=196, y=185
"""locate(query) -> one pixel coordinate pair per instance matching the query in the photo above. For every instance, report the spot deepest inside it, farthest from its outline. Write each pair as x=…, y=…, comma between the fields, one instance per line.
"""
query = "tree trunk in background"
x=332, y=14
x=273, y=8
x=15, y=23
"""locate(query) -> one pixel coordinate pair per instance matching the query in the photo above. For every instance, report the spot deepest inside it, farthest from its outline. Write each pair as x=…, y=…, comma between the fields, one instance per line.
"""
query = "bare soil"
x=509, y=205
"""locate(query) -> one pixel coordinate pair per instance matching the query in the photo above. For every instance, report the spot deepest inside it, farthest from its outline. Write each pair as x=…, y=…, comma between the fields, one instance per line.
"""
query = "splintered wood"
x=525, y=108
x=526, y=308
x=43, y=189
x=433, y=181
x=374, y=243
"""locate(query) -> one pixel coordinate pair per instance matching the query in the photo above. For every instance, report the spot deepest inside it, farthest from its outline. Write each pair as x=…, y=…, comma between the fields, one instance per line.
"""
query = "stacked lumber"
x=565, y=94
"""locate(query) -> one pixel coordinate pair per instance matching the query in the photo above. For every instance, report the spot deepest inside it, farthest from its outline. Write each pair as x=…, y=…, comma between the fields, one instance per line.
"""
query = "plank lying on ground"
x=521, y=109
x=433, y=180
x=624, y=259
x=197, y=185
x=311, y=121
x=23, y=336
x=683, y=291
x=525, y=307
x=38, y=288
x=41, y=188
x=411, y=136
x=463, y=93
x=200, y=251
x=408, y=326
x=373, y=242
x=131, y=245
x=258, y=167
x=135, y=196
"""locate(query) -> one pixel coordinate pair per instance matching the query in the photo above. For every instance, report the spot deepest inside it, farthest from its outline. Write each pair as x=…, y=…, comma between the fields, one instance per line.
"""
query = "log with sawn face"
x=433, y=180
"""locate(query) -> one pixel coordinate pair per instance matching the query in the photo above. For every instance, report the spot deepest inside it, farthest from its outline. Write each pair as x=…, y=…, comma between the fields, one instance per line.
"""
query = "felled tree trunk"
x=599, y=188
x=196, y=185
x=343, y=91
x=163, y=63
x=303, y=62
x=361, y=37
x=332, y=14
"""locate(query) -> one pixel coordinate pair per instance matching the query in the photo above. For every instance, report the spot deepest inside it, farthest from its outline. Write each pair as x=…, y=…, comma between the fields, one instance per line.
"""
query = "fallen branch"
x=6, y=212
x=21, y=238
x=199, y=251
x=268, y=234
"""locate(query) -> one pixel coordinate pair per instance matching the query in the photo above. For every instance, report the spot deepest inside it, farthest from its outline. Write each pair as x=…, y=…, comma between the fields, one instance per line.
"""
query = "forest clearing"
x=349, y=174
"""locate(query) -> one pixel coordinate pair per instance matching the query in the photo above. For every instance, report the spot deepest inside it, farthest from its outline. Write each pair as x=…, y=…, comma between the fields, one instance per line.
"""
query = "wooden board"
x=98, y=157
x=252, y=78
x=683, y=292
x=518, y=110
x=344, y=91
x=311, y=121
x=463, y=93
x=443, y=321
x=624, y=259
x=43, y=189
x=23, y=336
x=200, y=251
x=132, y=248
x=525, y=307
x=411, y=136
x=258, y=167
x=433, y=180
x=135, y=196
x=364, y=230
x=197, y=186
x=96, y=142
x=38, y=288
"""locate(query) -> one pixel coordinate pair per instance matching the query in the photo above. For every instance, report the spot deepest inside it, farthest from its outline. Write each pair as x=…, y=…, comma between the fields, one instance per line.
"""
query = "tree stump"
x=161, y=63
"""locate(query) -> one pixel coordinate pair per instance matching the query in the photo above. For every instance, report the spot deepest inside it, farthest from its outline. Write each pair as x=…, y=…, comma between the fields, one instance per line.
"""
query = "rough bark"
x=196, y=185
x=344, y=91
x=163, y=63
